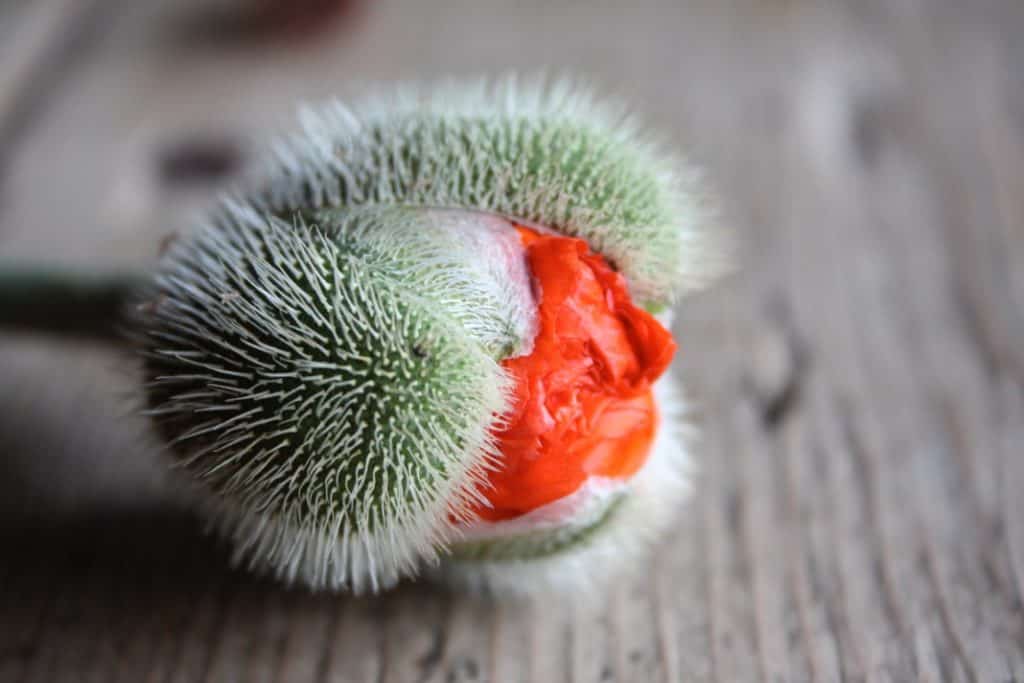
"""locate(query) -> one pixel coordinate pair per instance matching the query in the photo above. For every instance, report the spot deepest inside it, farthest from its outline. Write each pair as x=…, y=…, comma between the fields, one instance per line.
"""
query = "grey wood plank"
x=859, y=383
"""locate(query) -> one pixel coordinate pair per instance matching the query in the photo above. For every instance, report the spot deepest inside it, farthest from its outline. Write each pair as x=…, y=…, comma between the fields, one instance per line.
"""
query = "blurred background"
x=859, y=381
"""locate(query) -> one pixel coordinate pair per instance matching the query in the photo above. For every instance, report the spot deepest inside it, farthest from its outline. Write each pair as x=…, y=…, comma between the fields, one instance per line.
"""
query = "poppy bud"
x=414, y=339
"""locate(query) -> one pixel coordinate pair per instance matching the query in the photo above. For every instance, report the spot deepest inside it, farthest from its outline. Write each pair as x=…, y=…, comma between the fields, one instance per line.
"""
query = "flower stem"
x=65, y=303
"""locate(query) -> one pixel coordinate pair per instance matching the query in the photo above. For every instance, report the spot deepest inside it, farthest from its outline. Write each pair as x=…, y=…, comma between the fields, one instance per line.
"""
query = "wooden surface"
x=859, y=383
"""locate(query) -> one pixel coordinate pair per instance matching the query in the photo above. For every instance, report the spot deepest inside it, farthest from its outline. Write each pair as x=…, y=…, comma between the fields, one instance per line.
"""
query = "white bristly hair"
x=543, y=151
x=330, y=384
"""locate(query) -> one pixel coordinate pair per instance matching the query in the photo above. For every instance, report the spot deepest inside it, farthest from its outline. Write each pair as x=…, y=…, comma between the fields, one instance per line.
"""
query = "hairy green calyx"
x=333, y=383
x=547, y=155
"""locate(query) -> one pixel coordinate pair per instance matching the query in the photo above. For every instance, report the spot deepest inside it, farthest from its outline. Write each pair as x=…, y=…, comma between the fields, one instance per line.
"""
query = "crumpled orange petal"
x=583, y=405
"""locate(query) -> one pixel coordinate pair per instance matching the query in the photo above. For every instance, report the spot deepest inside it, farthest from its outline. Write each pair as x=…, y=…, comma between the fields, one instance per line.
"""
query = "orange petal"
x=583, y=405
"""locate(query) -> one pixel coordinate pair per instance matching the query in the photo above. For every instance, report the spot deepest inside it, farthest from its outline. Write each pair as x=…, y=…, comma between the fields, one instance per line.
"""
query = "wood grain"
x=859, y=382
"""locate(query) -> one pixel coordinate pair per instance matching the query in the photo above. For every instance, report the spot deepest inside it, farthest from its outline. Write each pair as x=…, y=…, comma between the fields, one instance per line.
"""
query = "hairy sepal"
x=331, y=384
x=547, y=153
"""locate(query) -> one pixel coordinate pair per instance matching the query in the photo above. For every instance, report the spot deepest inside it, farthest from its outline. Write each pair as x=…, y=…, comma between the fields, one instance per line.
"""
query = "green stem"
x=65, y=303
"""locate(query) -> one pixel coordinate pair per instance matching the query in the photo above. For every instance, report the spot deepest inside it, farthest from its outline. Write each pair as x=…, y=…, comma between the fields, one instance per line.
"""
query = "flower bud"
x=414, y=339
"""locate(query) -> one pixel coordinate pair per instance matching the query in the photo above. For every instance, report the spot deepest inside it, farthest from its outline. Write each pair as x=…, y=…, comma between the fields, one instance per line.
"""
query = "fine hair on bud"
x=542, y=151
x=317, y=380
